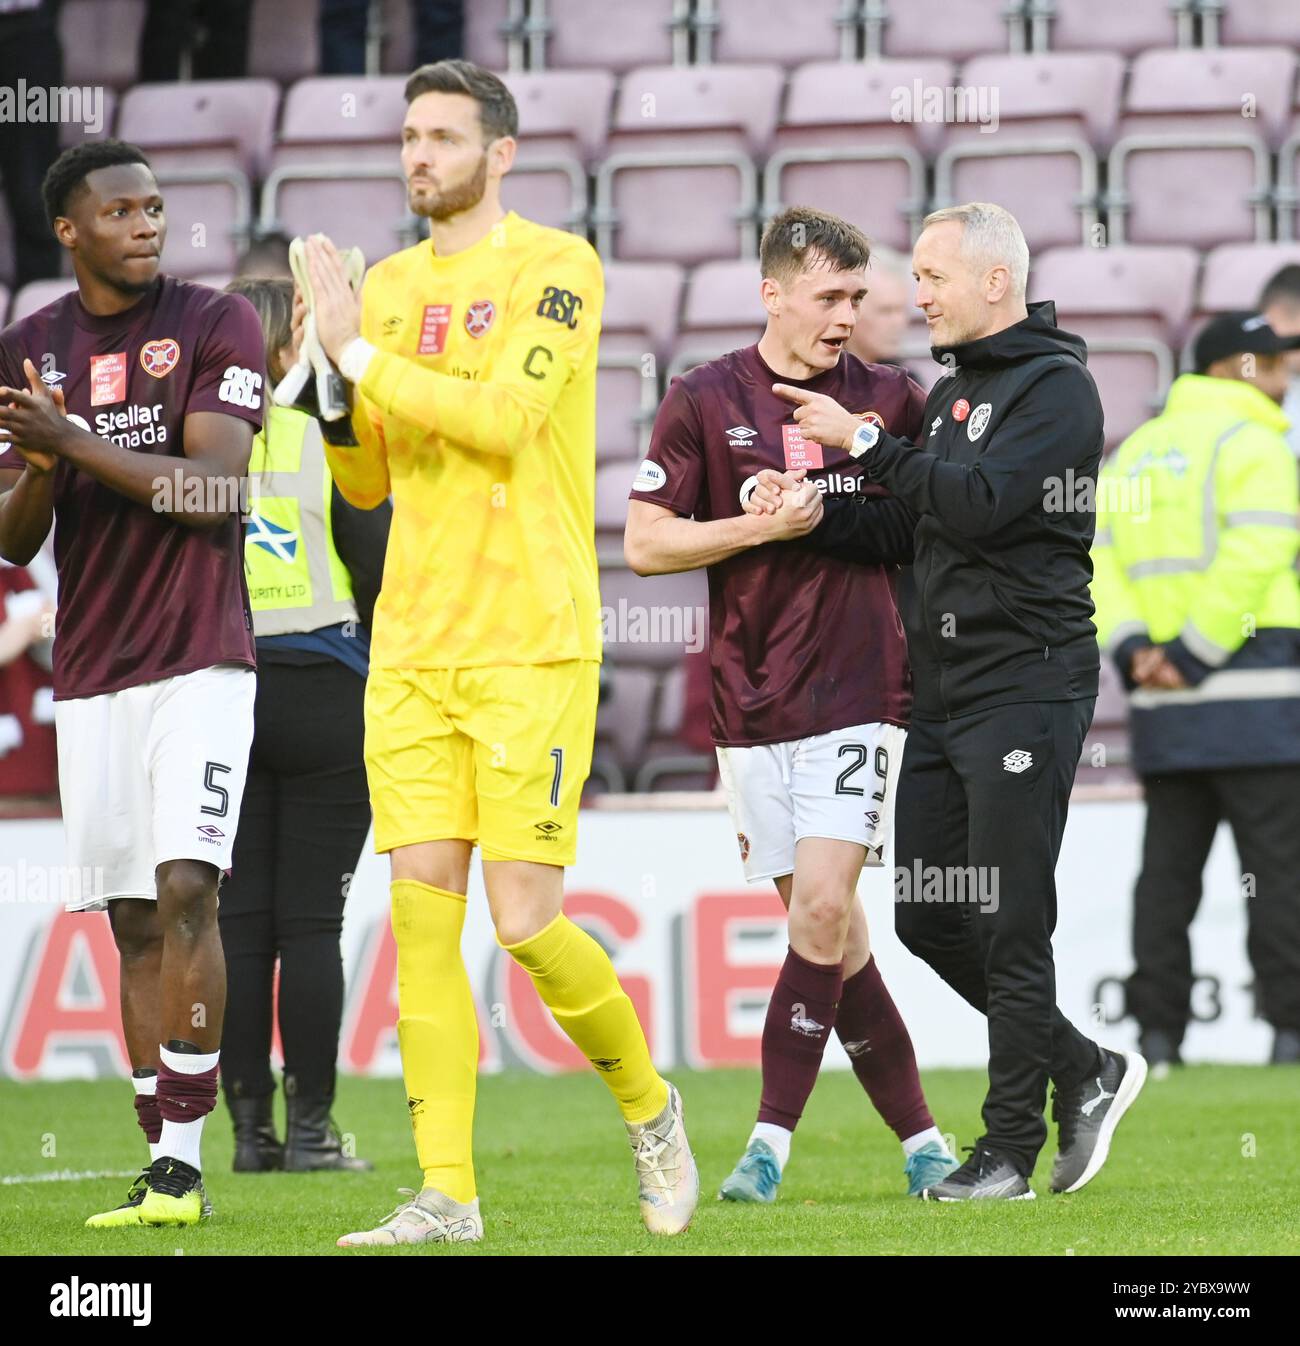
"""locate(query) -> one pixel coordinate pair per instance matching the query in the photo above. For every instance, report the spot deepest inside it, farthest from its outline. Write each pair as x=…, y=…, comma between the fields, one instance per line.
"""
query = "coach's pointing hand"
x=337, y=307
x=821, y=418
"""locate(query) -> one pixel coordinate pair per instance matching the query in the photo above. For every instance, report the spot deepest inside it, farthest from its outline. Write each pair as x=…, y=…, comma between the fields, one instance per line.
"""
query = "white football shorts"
x=839, y=785
x=153, y=773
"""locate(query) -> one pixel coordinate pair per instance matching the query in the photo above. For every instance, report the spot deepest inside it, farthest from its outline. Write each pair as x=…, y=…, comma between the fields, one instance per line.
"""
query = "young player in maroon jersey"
x=810, y=680
x=129, y=407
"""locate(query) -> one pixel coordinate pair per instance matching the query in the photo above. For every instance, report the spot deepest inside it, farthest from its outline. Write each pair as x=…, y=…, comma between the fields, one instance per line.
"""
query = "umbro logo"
x=607, y=1064
x=810, y=1028
x=548, y=829
x=413, y=1106
x=742, y=432
x=935, y=424
x=52, y=378
x=391, y=325
x=1017, y=761
x=856, y=1049
x=209, y=831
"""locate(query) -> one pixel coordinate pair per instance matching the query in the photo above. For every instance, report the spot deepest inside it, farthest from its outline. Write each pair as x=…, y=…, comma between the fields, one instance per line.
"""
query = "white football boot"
x=665, y=1169
x=428, y=1217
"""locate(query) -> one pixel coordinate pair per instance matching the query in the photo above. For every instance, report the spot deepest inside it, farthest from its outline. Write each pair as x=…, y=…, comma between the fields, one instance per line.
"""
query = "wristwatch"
x=864, y=440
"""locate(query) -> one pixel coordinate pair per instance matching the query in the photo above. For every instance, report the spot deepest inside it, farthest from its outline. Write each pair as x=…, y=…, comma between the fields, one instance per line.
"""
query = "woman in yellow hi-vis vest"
x=313, y=564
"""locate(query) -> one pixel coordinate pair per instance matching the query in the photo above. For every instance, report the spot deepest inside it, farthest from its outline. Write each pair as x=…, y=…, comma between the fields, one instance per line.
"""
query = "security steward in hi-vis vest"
x=1197, y=603
x=313, y=565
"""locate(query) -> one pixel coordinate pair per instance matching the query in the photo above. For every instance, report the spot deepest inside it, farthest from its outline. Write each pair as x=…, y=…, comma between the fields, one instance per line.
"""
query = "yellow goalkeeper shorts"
x=496, y=756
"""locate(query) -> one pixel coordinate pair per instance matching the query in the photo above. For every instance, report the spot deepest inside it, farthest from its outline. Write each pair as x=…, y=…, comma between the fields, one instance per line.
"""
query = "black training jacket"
x=1001, y=496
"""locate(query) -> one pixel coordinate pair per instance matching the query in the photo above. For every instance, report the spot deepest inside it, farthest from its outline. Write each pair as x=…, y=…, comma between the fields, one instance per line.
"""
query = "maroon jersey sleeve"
x=230, y=370
x=11, y=376
x=673, y=473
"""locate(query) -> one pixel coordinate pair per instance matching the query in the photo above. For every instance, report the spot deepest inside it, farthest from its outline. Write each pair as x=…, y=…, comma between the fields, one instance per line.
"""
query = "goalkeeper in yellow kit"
x=472, y=359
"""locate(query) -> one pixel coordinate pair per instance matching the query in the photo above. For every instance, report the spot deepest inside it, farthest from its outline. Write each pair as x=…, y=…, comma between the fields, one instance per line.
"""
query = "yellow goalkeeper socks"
x=577, y=983
x=438, y=1033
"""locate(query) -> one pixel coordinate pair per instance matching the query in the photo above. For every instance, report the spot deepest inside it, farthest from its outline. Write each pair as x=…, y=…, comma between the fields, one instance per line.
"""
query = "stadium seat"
x=220, y=124
x=1183, y=132
x=584, y=33
x=1249, y=23
x=940, y=28
x=722, y=312
x=637, y=328
x=843, y=144
x=1110, y=25
x=1131, y=305
x=651, y=621
x=37, y=293
x=562, y=119
x=1120, y=291
x=1237, y=272
x=494, y=31
x=76, y=132
x=284, y=39
x=667, y=763
x=685, y=135
x=1039, y=161
x=623, y=721
x=335, y=167
x=613, y=482
x=763, y=30
x=101, y=41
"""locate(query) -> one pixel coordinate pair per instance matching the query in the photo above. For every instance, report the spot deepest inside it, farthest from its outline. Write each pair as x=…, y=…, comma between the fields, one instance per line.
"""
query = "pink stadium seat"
x=767, y=30
x=685, y=136
x=940, y=28
x=1131, y=304
x=613, y=482
x=485, y=42
x=1111, y=25
x=651, y=621
x=642, y=300
x=847, y=143
x=1237, y=272
x=637, y=328
x=1053, y=111
x=37, y=293
x=208, y=220
x=583, y=33
x=101, y=41
x=1119, y=291
x=1254, y=23
x=203, y=124
x=284, y=39
x=723, y=311
x=336, y=165
x=76, y=132
x=667, y=764
x=562, y=119
x=1183, y=129
x=623, y=722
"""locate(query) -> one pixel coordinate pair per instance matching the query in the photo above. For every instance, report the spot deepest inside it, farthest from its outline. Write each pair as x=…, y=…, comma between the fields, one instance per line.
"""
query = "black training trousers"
x=990, y=790
x=1184, y=809
x=303, y=823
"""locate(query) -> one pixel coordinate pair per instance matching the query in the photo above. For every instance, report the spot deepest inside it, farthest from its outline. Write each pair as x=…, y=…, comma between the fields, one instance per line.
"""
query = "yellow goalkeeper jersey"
x=477, y=414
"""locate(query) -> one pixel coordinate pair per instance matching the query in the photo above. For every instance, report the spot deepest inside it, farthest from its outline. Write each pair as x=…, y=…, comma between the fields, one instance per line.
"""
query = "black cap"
x=1241, y=333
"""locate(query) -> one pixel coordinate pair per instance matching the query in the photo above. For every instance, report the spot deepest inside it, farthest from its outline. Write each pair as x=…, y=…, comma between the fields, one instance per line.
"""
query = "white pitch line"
x=67, y=1175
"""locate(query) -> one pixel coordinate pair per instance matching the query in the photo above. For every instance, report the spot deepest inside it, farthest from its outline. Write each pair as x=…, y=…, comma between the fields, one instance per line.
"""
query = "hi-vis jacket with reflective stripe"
x=1198, y=524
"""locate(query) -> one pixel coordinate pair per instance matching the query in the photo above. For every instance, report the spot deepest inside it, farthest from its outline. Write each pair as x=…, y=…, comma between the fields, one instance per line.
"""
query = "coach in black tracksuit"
x=994, y=511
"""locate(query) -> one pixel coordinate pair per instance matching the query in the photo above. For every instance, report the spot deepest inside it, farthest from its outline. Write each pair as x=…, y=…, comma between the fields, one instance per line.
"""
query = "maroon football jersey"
x=140, y=596
x=801, y=644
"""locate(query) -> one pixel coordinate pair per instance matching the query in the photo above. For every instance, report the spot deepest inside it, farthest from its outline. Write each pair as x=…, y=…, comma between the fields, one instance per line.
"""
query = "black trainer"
x=1088, y=1114
x=1160, y=1051
x=986, y=1175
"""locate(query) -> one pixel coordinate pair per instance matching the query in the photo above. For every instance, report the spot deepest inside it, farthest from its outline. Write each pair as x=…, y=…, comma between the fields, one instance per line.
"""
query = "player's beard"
x=465, y=195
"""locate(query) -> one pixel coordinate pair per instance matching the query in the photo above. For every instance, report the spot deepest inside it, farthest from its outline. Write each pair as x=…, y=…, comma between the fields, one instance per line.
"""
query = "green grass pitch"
x=1207, y=1161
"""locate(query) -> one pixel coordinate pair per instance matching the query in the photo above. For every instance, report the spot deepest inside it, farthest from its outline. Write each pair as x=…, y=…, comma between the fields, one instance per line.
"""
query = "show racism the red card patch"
x=433, y=329
x=799, y=452
x=107, y=379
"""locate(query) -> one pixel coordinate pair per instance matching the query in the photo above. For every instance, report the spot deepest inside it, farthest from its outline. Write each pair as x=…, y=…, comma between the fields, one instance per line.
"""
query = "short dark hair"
x=497, y=112
x=67, y=174
x=265, y=258
x=1284, y=285
x=797, y=237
